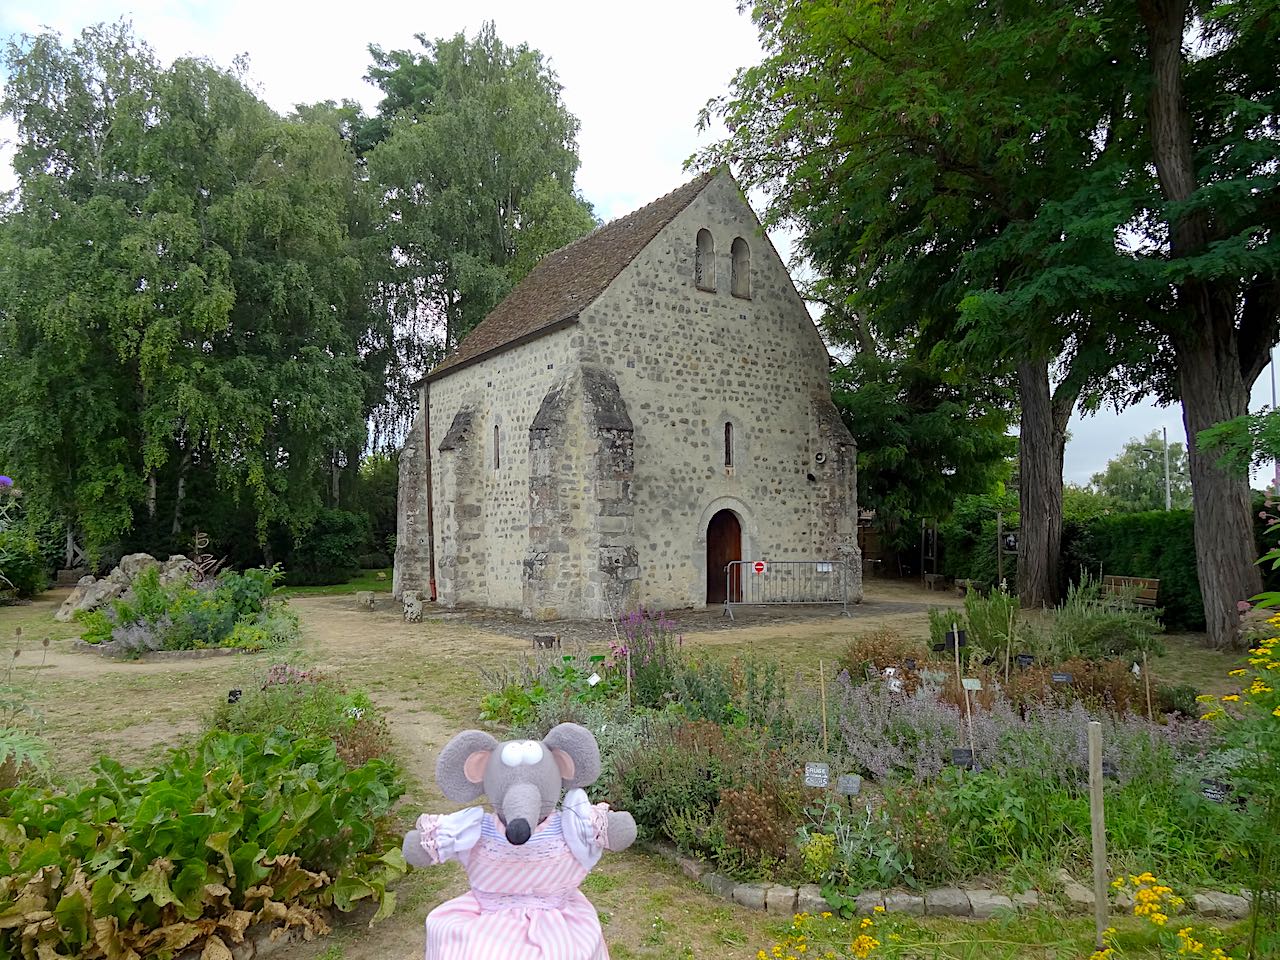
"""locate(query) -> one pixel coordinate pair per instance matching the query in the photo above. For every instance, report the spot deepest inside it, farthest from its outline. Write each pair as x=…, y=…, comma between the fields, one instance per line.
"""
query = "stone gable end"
x=578, y=474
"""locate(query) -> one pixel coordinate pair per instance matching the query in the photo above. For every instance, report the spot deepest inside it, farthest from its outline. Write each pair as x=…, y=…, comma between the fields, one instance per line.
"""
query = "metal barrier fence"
x=758, y=582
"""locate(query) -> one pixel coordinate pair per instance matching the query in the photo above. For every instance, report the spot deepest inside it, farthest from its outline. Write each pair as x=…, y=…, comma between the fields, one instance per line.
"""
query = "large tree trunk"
x=1213, y=390
x=1041, y=441
x=1213, y=377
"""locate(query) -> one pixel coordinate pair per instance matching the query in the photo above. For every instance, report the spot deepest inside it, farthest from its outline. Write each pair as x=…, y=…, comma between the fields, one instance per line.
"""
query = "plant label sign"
x=1215, y=790
x=233, y=696
x=593, y=679
x=1024, y=660
x=962, y=757
x=849, y=784
x=1062, y=678
x=817, y=775
x=971, y=683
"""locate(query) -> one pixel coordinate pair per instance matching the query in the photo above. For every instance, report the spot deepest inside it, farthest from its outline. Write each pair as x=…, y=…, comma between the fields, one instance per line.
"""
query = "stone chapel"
x=648, y=404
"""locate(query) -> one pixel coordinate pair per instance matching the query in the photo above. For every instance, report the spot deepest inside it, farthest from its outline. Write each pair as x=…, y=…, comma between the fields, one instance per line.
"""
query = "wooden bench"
x=1144, y=590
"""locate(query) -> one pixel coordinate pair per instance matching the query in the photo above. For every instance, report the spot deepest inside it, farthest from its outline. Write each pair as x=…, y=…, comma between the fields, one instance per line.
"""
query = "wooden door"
x=724, y=545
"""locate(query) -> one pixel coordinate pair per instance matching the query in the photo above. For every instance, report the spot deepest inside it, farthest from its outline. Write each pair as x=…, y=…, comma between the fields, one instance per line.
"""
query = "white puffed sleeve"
x=585, y=826
x=449, y=836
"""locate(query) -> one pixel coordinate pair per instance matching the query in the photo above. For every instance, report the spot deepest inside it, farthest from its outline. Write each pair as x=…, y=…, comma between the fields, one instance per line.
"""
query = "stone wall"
x=687, y=361
x=412, y=564
x=610, y=438
x=504, y=391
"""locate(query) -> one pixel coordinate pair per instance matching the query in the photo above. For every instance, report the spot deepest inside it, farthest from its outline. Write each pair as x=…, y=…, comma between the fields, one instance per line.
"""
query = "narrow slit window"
x=740, y=278
x=728, y=444
x=704, y=261
x=497, y=452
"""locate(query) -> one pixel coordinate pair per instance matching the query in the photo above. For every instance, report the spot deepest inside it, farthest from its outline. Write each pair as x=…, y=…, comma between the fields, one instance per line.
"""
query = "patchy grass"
x=378, y=581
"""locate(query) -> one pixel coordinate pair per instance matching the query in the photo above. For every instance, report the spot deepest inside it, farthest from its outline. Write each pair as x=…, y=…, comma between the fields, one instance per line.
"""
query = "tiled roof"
x=567, y=280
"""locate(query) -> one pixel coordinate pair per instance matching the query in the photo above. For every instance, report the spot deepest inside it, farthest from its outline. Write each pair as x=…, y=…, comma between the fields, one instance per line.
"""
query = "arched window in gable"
x=740, y=281
x=704, y=262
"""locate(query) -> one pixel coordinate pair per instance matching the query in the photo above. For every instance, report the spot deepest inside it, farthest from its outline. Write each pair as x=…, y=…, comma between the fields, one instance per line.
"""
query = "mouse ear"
x=576, y=753
x=460, y=768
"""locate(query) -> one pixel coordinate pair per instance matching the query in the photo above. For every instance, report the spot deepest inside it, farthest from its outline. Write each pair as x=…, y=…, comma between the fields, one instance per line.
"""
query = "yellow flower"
x=878, y=908
x=1205, y=698
x=826, y=914
x=1231, y=698
x=1276, y=712
x=1237, y=673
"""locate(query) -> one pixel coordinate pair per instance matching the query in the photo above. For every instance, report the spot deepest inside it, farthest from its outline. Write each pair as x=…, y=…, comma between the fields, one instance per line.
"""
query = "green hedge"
x=1158, y=544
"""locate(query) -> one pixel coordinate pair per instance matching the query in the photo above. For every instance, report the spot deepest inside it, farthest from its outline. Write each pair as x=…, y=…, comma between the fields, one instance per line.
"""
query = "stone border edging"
x=96, y=649
x=975, y=904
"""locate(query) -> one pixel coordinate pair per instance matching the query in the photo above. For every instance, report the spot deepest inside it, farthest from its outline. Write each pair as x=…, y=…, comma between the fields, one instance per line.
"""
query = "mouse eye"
x=512, y=754
x=530, y=752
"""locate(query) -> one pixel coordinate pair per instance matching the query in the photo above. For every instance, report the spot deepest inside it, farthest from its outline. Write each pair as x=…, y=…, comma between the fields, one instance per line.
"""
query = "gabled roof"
x=568, y=280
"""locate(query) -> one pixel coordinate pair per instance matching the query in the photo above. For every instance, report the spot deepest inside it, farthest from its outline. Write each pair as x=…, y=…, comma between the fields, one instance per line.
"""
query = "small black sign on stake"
x=1062, y=678
x=962, y=757
x=233, y=696
x=1024, y=660
x=1215, y=790
x=848, y=784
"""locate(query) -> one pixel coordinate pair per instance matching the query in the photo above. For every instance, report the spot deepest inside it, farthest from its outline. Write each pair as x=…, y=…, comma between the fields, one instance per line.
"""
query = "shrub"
x=992, y=619
x=968, y=537
x=880, y=649
x=22, y=568
x=327, y=552
x=308, y=704
x=744, y=692
x=654, y=650
x=1091, y=625
x=23, y=757
x=237, y=829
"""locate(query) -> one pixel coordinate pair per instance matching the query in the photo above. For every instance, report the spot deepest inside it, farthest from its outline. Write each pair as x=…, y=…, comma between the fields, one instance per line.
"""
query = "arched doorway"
x=724, y=545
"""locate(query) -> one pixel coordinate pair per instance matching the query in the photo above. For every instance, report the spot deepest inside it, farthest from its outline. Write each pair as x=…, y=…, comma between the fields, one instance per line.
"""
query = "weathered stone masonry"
x=579, y=449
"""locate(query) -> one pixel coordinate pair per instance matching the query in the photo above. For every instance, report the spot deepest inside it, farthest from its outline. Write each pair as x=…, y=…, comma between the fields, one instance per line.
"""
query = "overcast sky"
x=635, y=75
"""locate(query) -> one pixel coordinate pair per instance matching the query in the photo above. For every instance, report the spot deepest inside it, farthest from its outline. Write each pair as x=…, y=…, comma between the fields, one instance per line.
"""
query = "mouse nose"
x=518, y=831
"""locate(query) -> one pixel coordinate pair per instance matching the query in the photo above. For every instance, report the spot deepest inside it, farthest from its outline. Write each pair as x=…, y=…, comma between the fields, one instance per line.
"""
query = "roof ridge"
x=707, y=175
x=571, y=277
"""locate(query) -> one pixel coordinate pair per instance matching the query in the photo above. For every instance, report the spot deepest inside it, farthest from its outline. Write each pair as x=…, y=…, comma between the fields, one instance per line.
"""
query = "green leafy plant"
x=239, y=829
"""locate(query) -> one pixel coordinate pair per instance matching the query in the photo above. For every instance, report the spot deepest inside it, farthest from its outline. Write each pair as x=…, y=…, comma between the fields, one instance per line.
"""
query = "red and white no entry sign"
x=760, y=567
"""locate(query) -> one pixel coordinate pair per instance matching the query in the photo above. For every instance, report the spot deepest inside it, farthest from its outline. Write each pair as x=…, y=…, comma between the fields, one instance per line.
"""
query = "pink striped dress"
x=524, y=902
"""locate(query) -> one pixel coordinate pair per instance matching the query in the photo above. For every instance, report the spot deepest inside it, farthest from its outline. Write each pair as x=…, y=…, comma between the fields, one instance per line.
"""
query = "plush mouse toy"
x=526, y=859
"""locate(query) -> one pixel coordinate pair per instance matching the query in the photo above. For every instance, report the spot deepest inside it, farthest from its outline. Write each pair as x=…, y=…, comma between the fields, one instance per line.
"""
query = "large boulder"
x=177, y=568
x=136, y=563
x=89, y=594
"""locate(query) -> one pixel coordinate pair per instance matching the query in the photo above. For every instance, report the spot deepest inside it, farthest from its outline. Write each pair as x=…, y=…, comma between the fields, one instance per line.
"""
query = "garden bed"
x=710, y=755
